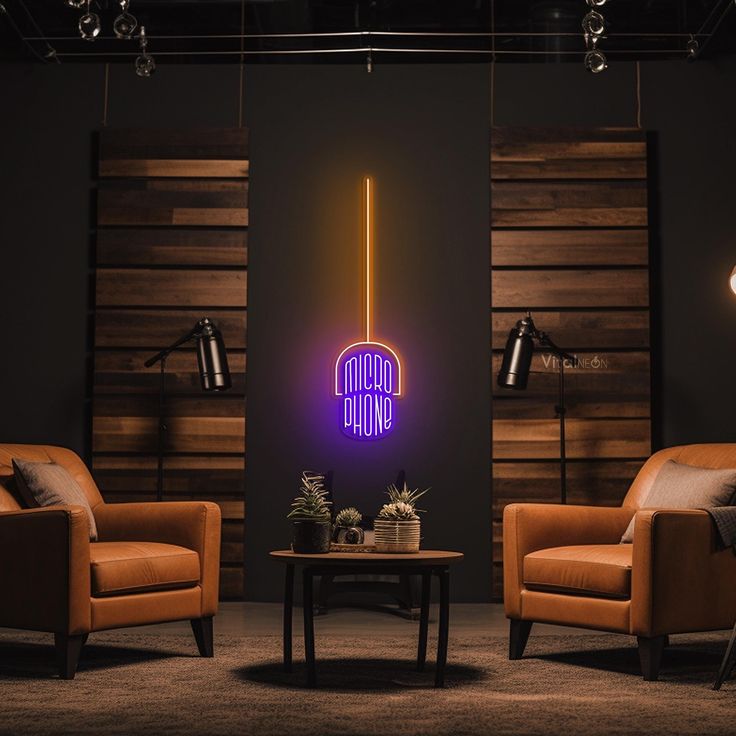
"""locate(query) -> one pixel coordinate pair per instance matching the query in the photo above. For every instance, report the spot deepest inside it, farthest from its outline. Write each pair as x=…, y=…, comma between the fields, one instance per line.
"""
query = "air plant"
x=405, y=495
x=398, y=511
x=311, y=504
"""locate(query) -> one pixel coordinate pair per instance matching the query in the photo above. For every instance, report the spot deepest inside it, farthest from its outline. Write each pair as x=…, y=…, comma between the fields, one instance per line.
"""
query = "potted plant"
x=397, y=527
x=347, y=527
x=310, y=515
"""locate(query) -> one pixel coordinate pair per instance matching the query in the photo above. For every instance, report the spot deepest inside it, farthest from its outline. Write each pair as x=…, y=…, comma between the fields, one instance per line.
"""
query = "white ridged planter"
x=397, y=536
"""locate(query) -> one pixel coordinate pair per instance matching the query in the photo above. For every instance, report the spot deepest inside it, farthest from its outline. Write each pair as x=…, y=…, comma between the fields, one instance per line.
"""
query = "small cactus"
x=311, y=504
x=398, y=511
x=348, y=517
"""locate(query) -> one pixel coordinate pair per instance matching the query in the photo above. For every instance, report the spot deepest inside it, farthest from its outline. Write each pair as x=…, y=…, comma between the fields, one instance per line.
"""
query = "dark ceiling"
x=525, y=30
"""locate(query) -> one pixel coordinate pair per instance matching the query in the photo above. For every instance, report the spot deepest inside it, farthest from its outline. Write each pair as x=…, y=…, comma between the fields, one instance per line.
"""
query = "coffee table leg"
x=288, y=615
x=308, y=595
x=443, y=574
x=424, y=619
x=728, y=661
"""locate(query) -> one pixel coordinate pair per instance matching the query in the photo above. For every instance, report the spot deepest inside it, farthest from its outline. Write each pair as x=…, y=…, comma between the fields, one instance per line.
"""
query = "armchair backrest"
x=9, y=500
x=715, y=455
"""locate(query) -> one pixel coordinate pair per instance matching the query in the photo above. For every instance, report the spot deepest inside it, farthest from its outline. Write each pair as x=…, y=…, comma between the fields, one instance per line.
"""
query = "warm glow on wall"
x=368, y=373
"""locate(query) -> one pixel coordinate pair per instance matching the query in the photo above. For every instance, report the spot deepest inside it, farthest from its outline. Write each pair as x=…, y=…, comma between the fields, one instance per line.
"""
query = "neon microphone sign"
x=368, y=373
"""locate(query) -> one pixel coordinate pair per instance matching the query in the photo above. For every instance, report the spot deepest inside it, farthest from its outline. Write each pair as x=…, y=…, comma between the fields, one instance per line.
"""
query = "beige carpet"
x=136, y=684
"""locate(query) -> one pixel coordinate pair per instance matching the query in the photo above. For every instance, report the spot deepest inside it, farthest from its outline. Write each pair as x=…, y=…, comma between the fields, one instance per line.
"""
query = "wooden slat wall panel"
x=171, y=248
x=570, y=241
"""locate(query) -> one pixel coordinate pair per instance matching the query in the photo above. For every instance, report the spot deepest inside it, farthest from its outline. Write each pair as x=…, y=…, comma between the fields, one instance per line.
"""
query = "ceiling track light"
x=145, y=65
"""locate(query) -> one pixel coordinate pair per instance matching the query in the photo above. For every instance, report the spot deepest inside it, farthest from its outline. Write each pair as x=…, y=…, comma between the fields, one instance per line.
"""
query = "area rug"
x=148, y=684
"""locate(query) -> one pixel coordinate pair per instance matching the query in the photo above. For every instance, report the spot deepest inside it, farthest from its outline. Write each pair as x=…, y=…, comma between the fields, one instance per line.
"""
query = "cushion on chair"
x=598, y=570
x=679, y=486
x=49, y=484
x=141, y=567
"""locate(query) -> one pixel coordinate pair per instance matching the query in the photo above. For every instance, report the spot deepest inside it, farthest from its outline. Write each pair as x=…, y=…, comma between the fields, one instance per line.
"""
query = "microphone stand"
x=560, y=409
x=160, y=358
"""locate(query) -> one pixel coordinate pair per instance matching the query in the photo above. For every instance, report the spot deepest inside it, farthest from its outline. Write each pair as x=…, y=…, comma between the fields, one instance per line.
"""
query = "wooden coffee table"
x=425, y=563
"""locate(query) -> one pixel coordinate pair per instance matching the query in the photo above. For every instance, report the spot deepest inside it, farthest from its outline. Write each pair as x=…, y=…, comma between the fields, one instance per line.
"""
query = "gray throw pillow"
x=49, y=484
x=680, y=486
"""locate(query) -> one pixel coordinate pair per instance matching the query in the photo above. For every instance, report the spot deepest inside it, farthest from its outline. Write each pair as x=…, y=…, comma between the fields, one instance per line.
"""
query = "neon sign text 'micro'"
x=368, y=373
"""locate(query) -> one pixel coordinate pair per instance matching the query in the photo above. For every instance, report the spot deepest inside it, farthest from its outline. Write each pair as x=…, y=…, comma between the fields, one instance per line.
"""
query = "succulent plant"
x=405, y=495
x=348, y=517
x=398, y=511
x=311, y=504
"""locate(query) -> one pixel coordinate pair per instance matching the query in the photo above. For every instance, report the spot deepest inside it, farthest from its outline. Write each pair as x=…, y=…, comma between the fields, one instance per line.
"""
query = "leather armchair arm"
x=528, y=527
x=192, y=524
x=680, y=580
x=44, y=575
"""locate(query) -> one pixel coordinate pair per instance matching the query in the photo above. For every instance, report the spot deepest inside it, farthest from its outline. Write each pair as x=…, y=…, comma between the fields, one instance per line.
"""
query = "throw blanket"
x=725, y=520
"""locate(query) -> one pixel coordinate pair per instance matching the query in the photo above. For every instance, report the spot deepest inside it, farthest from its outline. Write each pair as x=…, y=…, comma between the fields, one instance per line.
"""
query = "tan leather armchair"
x=564, y=565
x=153, y=562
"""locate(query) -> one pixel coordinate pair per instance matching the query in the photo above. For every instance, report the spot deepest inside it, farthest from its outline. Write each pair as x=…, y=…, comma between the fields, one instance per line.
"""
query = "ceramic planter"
x=311, y=537
x=397, y=536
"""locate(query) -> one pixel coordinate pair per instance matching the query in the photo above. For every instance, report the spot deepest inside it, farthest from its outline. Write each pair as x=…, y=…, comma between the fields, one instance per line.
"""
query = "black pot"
x=311, y=537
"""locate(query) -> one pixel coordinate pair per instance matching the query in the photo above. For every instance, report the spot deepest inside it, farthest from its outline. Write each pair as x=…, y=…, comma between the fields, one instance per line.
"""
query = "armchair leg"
x=202, y=628
x=68, y=649
x=650, y=656
x=518, y=636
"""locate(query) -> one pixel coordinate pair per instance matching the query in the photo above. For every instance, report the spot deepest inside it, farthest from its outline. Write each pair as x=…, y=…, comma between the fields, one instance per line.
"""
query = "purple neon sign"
x=368, y=381
x=368, y=373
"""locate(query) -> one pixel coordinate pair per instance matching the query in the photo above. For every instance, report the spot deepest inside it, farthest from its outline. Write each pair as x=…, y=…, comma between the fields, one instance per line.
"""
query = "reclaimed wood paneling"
x=570, y=242
x=133, y=287
x=172, y=247
x=587, y=288
x=153, y=247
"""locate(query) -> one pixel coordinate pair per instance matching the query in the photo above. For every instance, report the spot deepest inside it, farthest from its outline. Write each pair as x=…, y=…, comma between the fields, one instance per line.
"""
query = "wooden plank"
x=123, y=371
x=509, y=168
x=173, y=143
x=184, y=434
x=572, y=217
x=195, y=477
x=171, y=287
x=524, y=439
x=139, y=206
x=215, y=168
x=589, y=483
x=570, y=248
x=559, y=195
x=580, y=330
x=231, y=583
x=154, y=329
x=597, y=377
x=502, y=137
x=527, y=289
x=167, y=247
x=195, y=405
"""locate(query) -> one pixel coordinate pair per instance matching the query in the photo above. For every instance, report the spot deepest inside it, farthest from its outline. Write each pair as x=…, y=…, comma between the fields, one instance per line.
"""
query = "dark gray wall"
x=422, y=131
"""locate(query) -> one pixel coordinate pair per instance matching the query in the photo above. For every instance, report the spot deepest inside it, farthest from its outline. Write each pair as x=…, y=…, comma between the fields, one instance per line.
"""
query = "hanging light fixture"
x=89, y=24
x=594, y=26
x=732, y=280
x=145, y=65
x=124, y=25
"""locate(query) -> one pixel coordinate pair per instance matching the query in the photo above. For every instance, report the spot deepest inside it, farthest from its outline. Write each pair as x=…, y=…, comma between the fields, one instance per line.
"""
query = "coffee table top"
x=423, y=557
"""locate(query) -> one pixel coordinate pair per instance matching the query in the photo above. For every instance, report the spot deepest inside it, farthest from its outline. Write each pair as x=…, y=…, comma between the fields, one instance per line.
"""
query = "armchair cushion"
x=598, y=570
x=44, y=484
x=141, y=567
x=679, y=486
